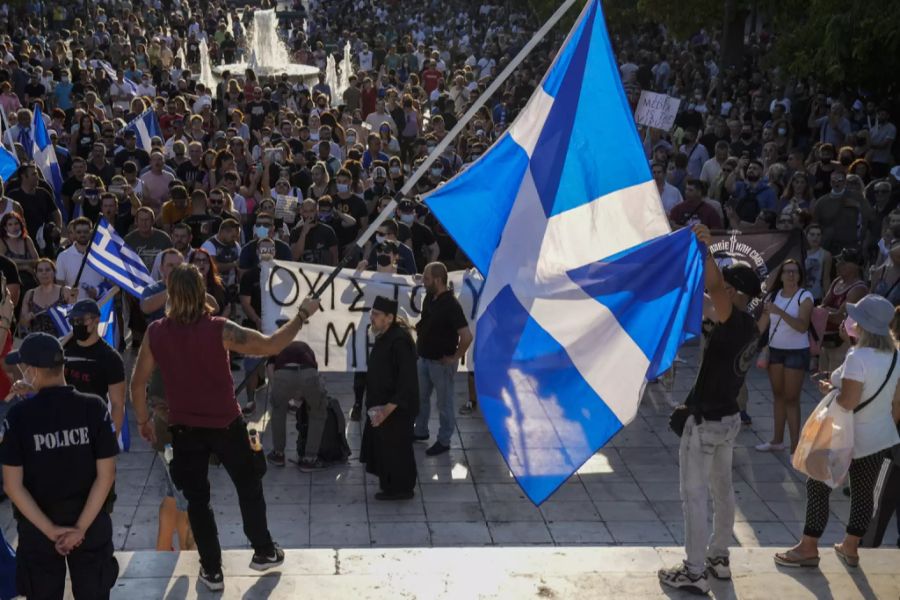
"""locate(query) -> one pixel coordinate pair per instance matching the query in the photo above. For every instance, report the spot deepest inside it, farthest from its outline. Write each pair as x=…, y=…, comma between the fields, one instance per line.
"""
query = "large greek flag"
x=44, y=156
x=587, y=293
x=111, y=257
x=146, y=125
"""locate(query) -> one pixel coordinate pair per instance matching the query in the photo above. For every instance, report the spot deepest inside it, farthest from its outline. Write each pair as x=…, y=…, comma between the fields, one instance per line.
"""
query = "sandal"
x=792, y=559
x=847, y=559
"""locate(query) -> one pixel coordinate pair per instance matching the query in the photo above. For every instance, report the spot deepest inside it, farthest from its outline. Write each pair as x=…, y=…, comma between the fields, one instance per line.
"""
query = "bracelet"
x=304, y=316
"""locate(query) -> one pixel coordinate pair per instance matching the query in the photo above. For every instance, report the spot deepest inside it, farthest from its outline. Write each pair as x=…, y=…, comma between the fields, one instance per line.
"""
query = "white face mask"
x=407, y=218
x=395, y=170
x=29, y=381
x=342, y=188
x=380, y=238
x=351, y=139
x=15, y=235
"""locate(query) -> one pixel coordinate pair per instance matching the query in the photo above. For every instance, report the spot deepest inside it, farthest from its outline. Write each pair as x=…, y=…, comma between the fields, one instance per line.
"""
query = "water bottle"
x=255, y=442
x=168, y=454
x=257, y=457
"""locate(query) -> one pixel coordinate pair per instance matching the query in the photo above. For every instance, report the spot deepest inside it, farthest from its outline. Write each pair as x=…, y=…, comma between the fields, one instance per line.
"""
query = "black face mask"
x=80, y=332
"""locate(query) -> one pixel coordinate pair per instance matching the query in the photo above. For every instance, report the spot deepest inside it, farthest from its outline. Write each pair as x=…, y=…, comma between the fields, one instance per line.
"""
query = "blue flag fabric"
x=111, y=257
x=146, y=125
x=9, y=164
x=44, y=156
x=587, y=293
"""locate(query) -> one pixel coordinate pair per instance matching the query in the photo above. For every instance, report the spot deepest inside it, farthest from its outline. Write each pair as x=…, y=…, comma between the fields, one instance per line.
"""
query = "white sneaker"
x=769, y=447
x=718, y=567
x=680, y=578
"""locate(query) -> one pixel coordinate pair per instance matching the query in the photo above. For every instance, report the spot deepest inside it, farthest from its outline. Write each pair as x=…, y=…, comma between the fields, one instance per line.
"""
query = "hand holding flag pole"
x=388, y=210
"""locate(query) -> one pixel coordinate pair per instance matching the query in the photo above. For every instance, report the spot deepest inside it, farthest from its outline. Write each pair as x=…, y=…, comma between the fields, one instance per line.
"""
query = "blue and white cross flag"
x=112, y=258
x=146, y=125
x=587, y=294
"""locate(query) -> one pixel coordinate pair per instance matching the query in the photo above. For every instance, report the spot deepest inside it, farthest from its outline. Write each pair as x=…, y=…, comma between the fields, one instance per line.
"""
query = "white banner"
x=339, y=333
x=656, y=110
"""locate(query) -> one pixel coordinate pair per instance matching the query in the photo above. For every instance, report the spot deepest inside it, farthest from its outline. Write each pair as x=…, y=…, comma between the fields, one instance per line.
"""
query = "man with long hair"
x=204, y=416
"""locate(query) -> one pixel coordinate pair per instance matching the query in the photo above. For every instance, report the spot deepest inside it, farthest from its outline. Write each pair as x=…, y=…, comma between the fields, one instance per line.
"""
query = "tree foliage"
x=852, y=43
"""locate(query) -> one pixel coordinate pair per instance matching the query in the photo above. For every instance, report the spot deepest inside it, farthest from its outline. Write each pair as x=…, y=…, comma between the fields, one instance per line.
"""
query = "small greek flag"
x=111, y=257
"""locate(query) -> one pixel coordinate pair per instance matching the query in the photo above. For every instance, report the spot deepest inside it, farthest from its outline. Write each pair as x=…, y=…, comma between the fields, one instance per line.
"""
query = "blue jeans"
x=438, y=377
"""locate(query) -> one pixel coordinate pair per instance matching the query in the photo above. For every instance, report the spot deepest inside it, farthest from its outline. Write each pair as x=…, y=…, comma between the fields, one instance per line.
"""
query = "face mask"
x=29, y=381
x=325, y=216
x=314, y=136
x=351, y=139
x=437, y=172
x=395, y=171
x=261, y=231
x=80, y=332
x=782, y=131
x=384, y=260
x=480, y=133
x=430, y=148
x=850, y=328
x=15, y=235
x=343, y=188
x=379, y=239
x=407, y=218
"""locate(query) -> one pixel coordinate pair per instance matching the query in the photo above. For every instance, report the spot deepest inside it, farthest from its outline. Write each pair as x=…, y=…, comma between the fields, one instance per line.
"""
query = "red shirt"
x=369, y=101
x=686, y=215
x=430, y=79
x=196, y=372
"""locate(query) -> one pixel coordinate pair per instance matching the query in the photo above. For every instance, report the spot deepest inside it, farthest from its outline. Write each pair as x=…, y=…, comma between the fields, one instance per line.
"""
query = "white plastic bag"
x=826, y=442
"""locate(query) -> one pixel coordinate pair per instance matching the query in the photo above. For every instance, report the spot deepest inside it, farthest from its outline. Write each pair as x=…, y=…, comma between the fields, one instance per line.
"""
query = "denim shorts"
x=791, y=359
x=181, y=502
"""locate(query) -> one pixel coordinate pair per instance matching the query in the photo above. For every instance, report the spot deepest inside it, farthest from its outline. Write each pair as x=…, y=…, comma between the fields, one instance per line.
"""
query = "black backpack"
x=334, y=446
x=747, y=207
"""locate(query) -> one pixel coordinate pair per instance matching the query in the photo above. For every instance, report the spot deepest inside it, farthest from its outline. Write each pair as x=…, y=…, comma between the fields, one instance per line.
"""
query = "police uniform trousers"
x=41, y=570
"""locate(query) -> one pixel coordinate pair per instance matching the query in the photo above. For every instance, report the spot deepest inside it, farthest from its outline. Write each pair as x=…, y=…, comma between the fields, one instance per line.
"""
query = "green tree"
x=854, y=43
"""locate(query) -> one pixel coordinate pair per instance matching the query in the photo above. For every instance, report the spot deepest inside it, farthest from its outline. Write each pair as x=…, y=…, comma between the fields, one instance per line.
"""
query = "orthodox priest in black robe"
x=392, y=403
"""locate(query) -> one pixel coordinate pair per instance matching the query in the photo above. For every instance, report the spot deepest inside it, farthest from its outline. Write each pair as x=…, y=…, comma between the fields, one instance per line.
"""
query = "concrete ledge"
x=569, y=573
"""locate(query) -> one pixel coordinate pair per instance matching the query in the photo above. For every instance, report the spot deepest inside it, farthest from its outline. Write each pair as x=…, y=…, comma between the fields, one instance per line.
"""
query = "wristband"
x=304, y=316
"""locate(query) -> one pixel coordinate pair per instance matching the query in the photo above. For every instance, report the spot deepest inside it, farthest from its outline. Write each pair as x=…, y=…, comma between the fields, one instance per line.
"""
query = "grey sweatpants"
x=290, y=384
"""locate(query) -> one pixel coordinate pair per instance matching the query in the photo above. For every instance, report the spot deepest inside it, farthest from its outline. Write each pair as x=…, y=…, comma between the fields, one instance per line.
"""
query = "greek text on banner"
x=339, y=334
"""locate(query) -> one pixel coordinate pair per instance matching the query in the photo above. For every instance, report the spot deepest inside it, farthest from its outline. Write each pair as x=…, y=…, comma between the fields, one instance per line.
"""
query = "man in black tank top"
x=707, y=444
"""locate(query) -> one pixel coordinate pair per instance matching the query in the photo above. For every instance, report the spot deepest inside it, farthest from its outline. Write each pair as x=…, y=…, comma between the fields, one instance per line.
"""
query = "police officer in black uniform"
x=58, y=453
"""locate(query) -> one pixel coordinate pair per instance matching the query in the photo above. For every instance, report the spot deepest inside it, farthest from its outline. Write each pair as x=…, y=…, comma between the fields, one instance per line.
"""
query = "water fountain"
x=331, y=77
x=206, y=74
x=268, y=55
x=346, y=69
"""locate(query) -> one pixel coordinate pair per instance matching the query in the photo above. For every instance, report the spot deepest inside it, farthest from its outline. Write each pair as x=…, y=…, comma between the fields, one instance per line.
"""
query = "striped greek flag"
x=112, y=258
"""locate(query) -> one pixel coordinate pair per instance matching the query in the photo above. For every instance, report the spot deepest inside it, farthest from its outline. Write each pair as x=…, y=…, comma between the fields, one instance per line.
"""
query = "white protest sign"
x=286, y=208
x=339, y=333
x=656, y=110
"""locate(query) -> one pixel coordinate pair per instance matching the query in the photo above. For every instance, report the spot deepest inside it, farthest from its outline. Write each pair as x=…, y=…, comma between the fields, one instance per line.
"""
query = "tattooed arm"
x=254, y=343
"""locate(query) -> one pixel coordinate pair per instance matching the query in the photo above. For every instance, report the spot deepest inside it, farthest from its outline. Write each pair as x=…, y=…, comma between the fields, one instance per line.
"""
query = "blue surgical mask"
x=325, y=216
x=407, y=218
x=380, y=238
x=342, y=188
x=261, y=231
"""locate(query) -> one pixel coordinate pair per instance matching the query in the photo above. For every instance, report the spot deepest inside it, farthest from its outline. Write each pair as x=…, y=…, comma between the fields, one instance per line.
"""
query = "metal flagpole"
x=442, y=145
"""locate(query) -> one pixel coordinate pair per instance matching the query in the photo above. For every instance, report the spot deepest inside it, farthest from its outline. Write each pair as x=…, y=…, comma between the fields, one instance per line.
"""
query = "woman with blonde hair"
x=867, y=385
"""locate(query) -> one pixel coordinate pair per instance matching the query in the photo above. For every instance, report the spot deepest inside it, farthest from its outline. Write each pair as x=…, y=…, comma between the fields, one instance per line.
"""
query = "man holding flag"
x=93, y=366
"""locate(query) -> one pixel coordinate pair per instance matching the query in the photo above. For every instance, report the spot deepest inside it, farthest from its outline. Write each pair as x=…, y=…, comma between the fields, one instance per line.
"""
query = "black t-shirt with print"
x=320, y=239
x=356, y=208
x=92, y=369
x=730, y=351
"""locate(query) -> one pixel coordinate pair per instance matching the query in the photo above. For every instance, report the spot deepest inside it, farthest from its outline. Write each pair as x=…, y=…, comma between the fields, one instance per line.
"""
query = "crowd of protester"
x=752, y=149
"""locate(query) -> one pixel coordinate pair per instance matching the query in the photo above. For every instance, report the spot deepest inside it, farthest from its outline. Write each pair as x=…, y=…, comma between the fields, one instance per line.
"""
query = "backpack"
x=747, y=207
x=334, y=446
